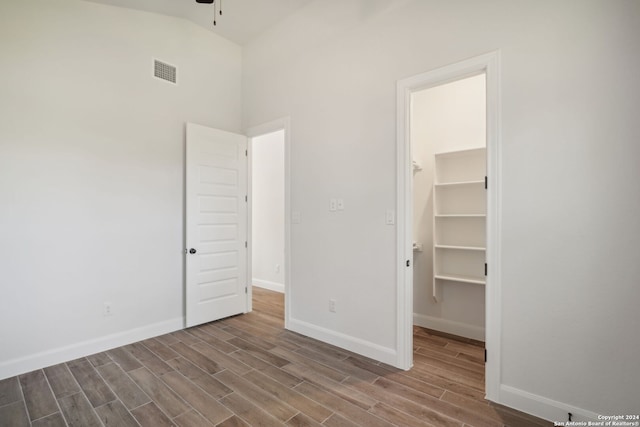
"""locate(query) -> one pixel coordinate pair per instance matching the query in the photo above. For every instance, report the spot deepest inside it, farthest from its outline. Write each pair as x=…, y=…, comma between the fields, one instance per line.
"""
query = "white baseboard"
x=449, y=326
x=356, y=345
x=542, y=407
x=22, y=365
x=272, y=286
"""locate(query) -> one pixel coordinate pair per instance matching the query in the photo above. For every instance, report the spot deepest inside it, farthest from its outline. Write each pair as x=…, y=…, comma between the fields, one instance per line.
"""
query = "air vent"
x=164, y=71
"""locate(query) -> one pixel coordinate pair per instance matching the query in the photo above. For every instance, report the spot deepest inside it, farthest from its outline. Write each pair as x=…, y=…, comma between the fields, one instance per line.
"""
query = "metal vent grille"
x=164, y=71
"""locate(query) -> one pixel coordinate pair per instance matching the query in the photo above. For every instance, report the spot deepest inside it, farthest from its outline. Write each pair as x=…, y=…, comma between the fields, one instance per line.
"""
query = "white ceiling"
x=241, y=21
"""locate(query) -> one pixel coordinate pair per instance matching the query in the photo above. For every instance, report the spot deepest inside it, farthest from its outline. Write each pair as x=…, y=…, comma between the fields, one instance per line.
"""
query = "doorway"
x=448, y=152
x=488, y=66
x=269, y=222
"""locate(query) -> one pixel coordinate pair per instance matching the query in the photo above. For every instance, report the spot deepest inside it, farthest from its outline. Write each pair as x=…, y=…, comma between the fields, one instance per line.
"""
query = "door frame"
x=283, y=124
x=490, y=65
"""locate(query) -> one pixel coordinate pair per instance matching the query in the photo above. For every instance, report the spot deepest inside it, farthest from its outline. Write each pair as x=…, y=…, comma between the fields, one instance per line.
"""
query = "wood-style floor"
x=247, y=370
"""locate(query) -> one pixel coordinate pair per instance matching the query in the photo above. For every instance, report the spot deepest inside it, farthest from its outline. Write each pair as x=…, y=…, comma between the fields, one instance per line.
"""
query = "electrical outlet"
x=106, y=311
x=340, y=204
x=333, y=205
x=332, y=305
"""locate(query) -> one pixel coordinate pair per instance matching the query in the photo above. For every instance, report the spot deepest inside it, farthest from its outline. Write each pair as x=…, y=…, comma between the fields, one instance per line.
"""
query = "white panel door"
x=216, y=224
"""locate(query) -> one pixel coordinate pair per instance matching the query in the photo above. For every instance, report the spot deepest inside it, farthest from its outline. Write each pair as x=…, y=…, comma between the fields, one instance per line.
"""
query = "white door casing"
x=216, y=224
x=490, y=65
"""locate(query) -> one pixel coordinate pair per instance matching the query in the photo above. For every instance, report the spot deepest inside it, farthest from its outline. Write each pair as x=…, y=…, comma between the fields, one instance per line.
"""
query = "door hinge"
x=485, y=268
x=408, y=263
x=246, y=198
x=486, y=182
x=245, y=290
x=246, y=153
x=485, y=355
x=245, y=244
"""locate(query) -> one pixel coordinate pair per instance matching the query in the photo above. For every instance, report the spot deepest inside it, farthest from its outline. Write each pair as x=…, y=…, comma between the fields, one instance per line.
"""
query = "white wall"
x=448, y=117
x=570, y=176
x=267, y=222
x=91, y=171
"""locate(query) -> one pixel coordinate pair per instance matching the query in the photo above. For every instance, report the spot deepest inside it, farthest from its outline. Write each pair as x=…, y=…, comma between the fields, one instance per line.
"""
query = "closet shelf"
x=464, y=248
x=461, y=278
x=460, y=183
x=460, y=215
x=459, y=193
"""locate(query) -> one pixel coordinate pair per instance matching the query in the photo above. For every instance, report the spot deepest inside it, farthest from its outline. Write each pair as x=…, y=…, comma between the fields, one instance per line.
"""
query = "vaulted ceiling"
x=241, y=21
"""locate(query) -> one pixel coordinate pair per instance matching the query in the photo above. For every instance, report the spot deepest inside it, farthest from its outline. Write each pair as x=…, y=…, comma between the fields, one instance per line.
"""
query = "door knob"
x=192, y=251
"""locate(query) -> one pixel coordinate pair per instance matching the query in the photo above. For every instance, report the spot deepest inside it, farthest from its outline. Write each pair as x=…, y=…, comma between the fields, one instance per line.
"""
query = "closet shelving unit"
x=459, y=218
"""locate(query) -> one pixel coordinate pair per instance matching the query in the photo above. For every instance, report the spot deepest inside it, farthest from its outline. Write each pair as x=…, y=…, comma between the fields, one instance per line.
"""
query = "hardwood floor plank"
x=186, y=368
x=38, y=397
x=397, y=417
x=398, y=376
x=224, y=360
x=474, y=359
x=233, y=421
x=14, y=415
x=139, y=351
x=61, y=381
x=346, y=368
x=514, y=418
x=249, y=411
x=214, y=329
x=78, y=412
x=55, y=420
x=90, y=382
x=150, y=415
x=127, y=391
x=301, y=420
x=167, y=339
x=196, y=397
x=212, y=386
x=197, y=358
x=159, y=349
x=115, y=414
x=147, y=358
x=281, y=376
x=191, y=419
x=99, y=359
x=305, y=363
x=350, y=395
x=469, y=349
x=259, y=352
x=351, y=412
x=336, y=420
x=256, y=395
x=420, y=405
x=452, y=360
x=185, y=337
x=10, y=391
x=216, y=343
x=125, y=359
x=294, y=399
x=162, y=395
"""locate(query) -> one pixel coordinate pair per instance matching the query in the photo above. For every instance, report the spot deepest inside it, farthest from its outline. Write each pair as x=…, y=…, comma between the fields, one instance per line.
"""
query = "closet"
x=448, y=148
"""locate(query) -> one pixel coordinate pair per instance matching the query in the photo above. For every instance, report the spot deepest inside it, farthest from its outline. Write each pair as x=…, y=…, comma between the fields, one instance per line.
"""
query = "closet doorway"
x=269, y=206
x=458, y=206
x=448, y=151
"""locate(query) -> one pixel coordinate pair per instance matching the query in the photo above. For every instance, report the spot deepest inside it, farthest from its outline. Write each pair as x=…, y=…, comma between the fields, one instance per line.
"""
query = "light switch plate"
x=390, y=217
x=340, y=204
